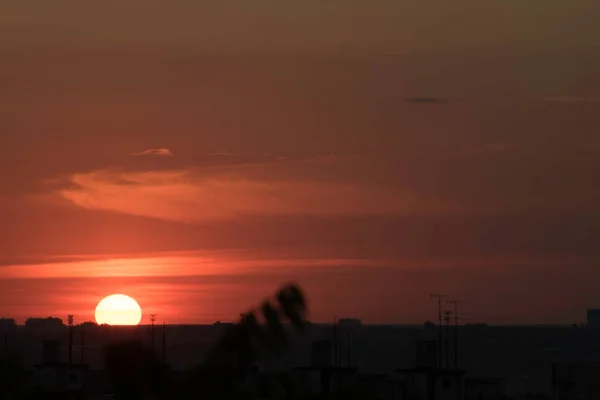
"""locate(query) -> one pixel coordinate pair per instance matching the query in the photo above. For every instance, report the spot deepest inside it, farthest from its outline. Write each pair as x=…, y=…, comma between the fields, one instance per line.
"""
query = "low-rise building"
x=576, y=380
x=484, y=389
x=427, y=383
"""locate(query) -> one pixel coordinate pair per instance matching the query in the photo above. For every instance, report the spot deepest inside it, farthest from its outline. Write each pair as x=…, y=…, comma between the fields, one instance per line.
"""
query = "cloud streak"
x=154, y=152
x=475, y=180
x=225, y=264
x=320, y=187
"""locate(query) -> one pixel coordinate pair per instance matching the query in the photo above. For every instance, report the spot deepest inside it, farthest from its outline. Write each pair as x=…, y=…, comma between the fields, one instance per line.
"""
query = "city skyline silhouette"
x=343, y=199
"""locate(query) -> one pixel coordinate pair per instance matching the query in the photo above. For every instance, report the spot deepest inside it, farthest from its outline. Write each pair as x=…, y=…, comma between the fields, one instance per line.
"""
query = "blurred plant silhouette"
x=136, y=372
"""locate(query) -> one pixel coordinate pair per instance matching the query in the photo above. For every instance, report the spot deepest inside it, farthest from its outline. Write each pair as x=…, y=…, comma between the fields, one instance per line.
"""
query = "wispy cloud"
x=161, y=265
x=432, y=184
x=154, y=152
x=197, y=194
x=223, y=264
x=224, y=154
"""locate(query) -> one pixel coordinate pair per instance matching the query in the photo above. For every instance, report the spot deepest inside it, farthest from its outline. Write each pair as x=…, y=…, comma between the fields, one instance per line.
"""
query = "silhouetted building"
x=426, y=381
x=53, y=376
x=7, y=329
x=429, y=325
x=59, y=378
x=576, y=380
x=46, y=325
x=427, y=353
x=484, y=389
x=7, y=324
x=379, y=386
x=593, y=318
x=349, y=322
x=322, y=353
x=325, y=380
x=433, y=383
x=50, y=352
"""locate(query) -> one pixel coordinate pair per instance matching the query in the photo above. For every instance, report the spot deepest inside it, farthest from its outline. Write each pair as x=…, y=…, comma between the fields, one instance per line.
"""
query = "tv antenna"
x=70, y=322
x=439, y=301
x=456, y=303
x=447, y=318
x=152, y=319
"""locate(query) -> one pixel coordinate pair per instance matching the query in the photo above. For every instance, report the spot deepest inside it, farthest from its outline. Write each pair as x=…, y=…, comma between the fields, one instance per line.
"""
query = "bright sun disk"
x=118, y=309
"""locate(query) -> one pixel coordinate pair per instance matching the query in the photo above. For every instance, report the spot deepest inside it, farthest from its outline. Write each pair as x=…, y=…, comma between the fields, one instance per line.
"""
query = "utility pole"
x=439, y=299
x=152, y=319
x=455, y=302
x=70, y=321
x=82, y=344
x=447, y=318
x=348, y=343
x=164, y=344
x=335, y=343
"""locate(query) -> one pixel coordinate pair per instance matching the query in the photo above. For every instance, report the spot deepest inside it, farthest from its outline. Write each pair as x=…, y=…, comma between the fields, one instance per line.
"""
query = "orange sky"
x=372, y=151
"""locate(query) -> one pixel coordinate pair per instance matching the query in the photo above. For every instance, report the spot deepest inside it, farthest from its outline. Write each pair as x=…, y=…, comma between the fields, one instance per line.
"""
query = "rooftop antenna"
x=447, y=319
x=70, y=321
x=456, y=303
x=439, y=300
x=152, y=319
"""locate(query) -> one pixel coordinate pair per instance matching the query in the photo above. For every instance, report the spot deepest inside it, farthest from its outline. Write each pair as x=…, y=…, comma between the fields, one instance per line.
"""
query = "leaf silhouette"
x=256, y=332
x=293, y=305
x=136, y=373
x=134, y=370
x=274, y=324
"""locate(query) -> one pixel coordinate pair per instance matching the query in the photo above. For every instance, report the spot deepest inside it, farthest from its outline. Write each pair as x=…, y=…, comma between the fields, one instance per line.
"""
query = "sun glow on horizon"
x=118, y=309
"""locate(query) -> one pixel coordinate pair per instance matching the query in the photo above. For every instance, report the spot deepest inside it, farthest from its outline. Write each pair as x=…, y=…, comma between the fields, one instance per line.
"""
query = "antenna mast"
x=447, y=318
x=82, y=343
x=455, y=302
x=439, y=301
x=152, y=319
x=70, y=322
x=164, y=343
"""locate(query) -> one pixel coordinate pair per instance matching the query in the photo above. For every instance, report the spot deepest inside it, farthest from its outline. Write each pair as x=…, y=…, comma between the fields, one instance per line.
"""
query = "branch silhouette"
x=136, y=372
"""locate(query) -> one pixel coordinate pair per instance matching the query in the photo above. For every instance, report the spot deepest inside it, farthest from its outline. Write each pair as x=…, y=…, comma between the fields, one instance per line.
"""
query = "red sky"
x=198, y=156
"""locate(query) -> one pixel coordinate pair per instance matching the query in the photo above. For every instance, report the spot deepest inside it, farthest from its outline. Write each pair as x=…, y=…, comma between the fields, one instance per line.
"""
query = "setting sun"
x=118, y=309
